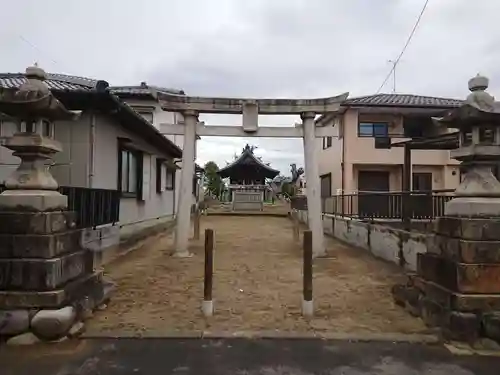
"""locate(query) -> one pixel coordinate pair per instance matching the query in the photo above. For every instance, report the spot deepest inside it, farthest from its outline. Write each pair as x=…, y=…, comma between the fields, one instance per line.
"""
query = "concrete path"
x=239, y=357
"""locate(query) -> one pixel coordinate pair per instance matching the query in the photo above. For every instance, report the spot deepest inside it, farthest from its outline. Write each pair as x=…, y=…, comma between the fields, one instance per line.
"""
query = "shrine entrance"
x=247, y=189
x=307, y=109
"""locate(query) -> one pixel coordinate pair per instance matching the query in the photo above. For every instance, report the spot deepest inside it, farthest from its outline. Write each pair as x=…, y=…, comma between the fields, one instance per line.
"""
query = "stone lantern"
x=457, y=284
x=47, y=279
x=32, y=105
x=478, y=120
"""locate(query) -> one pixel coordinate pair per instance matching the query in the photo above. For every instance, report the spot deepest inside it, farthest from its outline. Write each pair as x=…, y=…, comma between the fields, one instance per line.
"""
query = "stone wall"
x=108, y=242
x=391, y=244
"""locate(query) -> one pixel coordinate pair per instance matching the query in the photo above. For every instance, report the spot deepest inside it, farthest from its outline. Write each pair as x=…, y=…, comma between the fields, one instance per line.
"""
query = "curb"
x=339, y=336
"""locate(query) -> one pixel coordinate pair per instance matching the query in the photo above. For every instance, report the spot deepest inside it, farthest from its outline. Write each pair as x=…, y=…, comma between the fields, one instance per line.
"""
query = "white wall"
x=134, y=214
x=330, y=159
x=163, y=117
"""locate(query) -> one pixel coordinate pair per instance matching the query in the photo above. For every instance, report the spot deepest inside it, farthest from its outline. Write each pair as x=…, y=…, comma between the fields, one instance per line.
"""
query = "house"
x=109, y=149
x=144, y=100
x=350, y=163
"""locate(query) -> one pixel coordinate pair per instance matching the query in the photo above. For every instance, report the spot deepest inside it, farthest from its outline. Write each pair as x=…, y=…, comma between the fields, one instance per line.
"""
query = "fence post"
x=307, y=298
x=197, y=218
x=295, y=229
x=208, y=305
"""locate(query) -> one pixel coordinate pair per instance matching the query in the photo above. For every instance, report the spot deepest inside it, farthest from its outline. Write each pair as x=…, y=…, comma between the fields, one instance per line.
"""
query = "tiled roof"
x=401, y=100
x=54, y=81
x=144, y=89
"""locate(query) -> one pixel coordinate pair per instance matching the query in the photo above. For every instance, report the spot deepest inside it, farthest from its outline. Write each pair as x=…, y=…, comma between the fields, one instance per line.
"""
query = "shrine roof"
x=247, y=158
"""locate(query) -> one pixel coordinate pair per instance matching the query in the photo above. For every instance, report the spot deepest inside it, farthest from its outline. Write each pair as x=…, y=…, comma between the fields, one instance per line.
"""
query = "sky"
x=258, y=48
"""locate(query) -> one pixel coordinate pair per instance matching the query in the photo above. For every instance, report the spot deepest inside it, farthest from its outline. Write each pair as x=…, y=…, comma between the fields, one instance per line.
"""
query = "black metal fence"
x=93, y=207
x=419, y=205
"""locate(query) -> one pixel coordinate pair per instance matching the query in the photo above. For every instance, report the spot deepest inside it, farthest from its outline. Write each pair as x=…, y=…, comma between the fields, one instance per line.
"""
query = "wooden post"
x=296, y=228
x=197, y=218
x=406, y=185
x=307, y=299
x=208, y=305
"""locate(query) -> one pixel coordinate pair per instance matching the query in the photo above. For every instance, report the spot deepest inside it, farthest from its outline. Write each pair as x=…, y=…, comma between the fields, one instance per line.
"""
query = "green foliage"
x=213, y=182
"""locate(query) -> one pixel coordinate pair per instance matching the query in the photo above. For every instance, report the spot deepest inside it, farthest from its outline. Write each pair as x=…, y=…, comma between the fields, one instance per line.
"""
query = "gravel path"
x=257, y=286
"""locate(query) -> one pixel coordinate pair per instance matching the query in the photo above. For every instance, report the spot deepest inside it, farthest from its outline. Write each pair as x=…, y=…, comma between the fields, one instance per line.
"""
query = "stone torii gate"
x=191, y=107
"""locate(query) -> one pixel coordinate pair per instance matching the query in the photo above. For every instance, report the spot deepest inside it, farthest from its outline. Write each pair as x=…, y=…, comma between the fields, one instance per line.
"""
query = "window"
x=129, y=172
x=159, y=168
x=146, y=112
x=148, y=115
x=373, y=129
x=327, y=142
x=169, y=179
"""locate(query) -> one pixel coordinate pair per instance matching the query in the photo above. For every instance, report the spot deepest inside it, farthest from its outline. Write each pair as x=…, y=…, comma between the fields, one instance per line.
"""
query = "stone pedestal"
x=47, y=281
x=457, y=285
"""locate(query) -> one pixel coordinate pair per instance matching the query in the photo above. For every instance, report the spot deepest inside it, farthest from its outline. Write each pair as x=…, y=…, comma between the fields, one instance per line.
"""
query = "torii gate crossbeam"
x=191, y=107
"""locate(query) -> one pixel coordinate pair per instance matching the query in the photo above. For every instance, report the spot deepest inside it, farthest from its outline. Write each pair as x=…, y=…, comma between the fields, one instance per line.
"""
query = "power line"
x=405, y=46
x=36, y=48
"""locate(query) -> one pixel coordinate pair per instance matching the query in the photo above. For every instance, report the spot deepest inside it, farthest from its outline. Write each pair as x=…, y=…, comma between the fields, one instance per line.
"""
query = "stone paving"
x=257, y=287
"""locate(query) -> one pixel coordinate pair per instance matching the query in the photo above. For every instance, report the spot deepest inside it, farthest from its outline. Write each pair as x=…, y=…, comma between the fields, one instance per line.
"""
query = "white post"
x=185, y=195
x=314, y=214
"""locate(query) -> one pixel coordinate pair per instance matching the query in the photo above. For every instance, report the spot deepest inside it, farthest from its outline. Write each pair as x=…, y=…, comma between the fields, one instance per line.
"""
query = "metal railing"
x=93, y=207
x=412, y=205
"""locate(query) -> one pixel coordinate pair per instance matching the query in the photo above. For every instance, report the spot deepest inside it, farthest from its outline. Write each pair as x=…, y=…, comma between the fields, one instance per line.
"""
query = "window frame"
x=146, y=110
x=138, y=171
x=169, y=172
x=327, y=142
x=373, y=125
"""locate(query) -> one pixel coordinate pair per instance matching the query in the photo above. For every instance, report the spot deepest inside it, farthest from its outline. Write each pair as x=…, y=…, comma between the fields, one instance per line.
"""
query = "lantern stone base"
x=33, y=200
x=47, y=280
x=457, y=287
x=473, y=207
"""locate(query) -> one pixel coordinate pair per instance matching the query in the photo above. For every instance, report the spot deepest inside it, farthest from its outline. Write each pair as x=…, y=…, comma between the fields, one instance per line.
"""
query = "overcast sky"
x=258, y=48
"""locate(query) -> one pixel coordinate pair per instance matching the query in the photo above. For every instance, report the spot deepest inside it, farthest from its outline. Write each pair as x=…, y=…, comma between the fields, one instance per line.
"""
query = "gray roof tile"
x=403, y=100
x=54, y=81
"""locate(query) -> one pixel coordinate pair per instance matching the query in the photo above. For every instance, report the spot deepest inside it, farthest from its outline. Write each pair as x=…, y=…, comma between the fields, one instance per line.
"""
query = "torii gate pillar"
x=183, y=224
x=313, y=185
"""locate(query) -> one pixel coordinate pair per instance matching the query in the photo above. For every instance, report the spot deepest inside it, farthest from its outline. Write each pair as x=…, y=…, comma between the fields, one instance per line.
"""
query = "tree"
x=213, y=182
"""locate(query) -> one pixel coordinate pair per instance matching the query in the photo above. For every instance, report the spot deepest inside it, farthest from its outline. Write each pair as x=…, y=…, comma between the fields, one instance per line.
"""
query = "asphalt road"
x=239, y=357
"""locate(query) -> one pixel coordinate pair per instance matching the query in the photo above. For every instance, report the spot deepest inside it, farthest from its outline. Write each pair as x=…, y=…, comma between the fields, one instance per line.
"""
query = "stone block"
x=459, y=277
x=90, y=286
x=26, y=338
x=13, y=322
x=462, y=326
x=43, y=274
x=491, y=326
x=36, y=222
x=398, y=292
x=466, y=251
x=33, y=200
x=475, y=229
x=38, y=245
x=432, y=313
x=450, y=300
x=53, y=324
